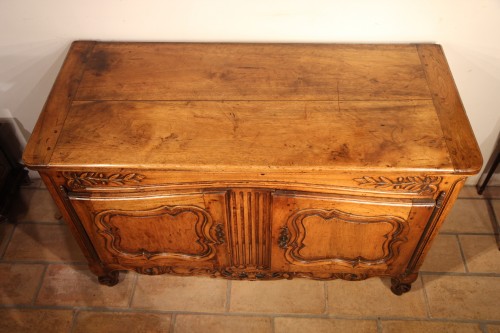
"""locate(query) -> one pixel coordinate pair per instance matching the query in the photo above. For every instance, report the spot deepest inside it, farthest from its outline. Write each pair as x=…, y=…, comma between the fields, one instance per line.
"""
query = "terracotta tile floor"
x=45, y=286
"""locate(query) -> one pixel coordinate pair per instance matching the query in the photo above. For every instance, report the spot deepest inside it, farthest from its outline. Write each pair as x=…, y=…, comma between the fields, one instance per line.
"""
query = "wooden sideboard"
x=254, y=161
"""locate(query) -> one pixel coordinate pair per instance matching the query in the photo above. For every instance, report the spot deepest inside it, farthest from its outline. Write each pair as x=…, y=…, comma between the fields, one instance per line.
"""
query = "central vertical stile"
x=250, y=226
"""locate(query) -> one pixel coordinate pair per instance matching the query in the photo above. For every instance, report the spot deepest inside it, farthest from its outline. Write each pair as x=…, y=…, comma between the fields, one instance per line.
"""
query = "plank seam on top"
x=249, y=100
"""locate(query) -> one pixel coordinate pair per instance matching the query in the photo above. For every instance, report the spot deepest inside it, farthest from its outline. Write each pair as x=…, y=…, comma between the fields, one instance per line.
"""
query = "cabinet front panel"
x=315, y=233
x=156, y=230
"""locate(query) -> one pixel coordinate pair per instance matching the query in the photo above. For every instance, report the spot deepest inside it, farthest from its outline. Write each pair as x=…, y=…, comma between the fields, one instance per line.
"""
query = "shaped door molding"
x=204, y=233
x=294, y=237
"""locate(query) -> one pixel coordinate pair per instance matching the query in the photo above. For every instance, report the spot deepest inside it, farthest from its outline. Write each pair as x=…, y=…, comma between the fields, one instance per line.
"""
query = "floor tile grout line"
x=483, y=328
x=475, y=198
x=29, y=187
x=469, y=274
x=39, y=186
x=76, y=313
x=437, y=320
x=40, y=284
x=426, y=298
x=497, y=218
x=379, y=326
x=264, y=315
x=273, y=324
x=42, y=262
x=494, y=220
x=173, y=319
x=451, y=233
x=7, y=242
x=32, y=188
x=134, y=289
x=325, y=287
x=132, y=293
x=229, y=285
x=30, y=222
x=462, y=254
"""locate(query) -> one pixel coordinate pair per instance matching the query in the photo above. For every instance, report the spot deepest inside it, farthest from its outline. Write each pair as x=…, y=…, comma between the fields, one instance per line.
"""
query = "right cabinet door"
x=328, y=233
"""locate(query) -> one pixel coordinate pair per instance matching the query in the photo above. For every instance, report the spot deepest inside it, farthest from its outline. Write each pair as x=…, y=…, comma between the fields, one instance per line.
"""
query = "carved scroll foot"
x=402, y=285
x=399, y=288
x=109, y=279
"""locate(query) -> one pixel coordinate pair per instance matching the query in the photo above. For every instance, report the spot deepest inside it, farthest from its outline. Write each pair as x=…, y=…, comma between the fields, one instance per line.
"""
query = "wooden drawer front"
x=157, y=230
x=314, y=233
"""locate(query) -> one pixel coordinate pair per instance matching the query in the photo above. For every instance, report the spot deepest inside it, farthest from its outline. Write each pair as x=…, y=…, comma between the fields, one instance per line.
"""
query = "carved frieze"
x=89, y=179
x=229, y=273
x=411, y=184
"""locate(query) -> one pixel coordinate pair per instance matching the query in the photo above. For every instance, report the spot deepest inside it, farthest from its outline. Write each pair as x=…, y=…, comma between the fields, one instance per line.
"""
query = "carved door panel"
x=345, y=234
x=157, y=230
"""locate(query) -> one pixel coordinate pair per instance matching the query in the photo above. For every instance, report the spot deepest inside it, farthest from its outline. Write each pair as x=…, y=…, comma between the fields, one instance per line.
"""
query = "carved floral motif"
x=416, y=184
x=84, y=179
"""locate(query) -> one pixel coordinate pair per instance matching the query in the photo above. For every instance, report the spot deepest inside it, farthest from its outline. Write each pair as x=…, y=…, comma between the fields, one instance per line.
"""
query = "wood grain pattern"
x=160, y=225
x=189, y=71
x=318, y=237
x=254, y=161
x=260, y=136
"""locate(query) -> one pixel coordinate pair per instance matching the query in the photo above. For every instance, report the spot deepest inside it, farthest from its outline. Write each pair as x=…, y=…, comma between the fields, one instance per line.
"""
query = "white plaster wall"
x=35, y=35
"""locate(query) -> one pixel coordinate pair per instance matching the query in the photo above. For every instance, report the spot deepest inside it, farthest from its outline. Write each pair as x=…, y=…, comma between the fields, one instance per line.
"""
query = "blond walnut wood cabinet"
x=254, y=161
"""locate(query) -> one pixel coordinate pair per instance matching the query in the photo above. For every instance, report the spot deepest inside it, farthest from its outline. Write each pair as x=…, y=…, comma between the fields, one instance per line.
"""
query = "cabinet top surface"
x=242, y=107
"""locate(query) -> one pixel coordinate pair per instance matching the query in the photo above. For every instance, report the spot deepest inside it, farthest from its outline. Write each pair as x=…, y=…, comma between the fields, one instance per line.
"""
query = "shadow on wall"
x=11, y=172
x=27, y=73
x=9, y=140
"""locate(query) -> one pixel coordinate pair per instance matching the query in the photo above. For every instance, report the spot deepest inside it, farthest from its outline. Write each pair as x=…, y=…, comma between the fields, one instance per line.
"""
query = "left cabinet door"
x=153, y=230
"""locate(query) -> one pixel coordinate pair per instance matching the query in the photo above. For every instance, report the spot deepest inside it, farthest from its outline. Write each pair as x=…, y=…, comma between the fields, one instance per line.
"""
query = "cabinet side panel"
x=442, y=209
x=75, y=226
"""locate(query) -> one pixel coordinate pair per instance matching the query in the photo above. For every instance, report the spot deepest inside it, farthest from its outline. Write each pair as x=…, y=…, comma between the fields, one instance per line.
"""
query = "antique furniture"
x=254, y=161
